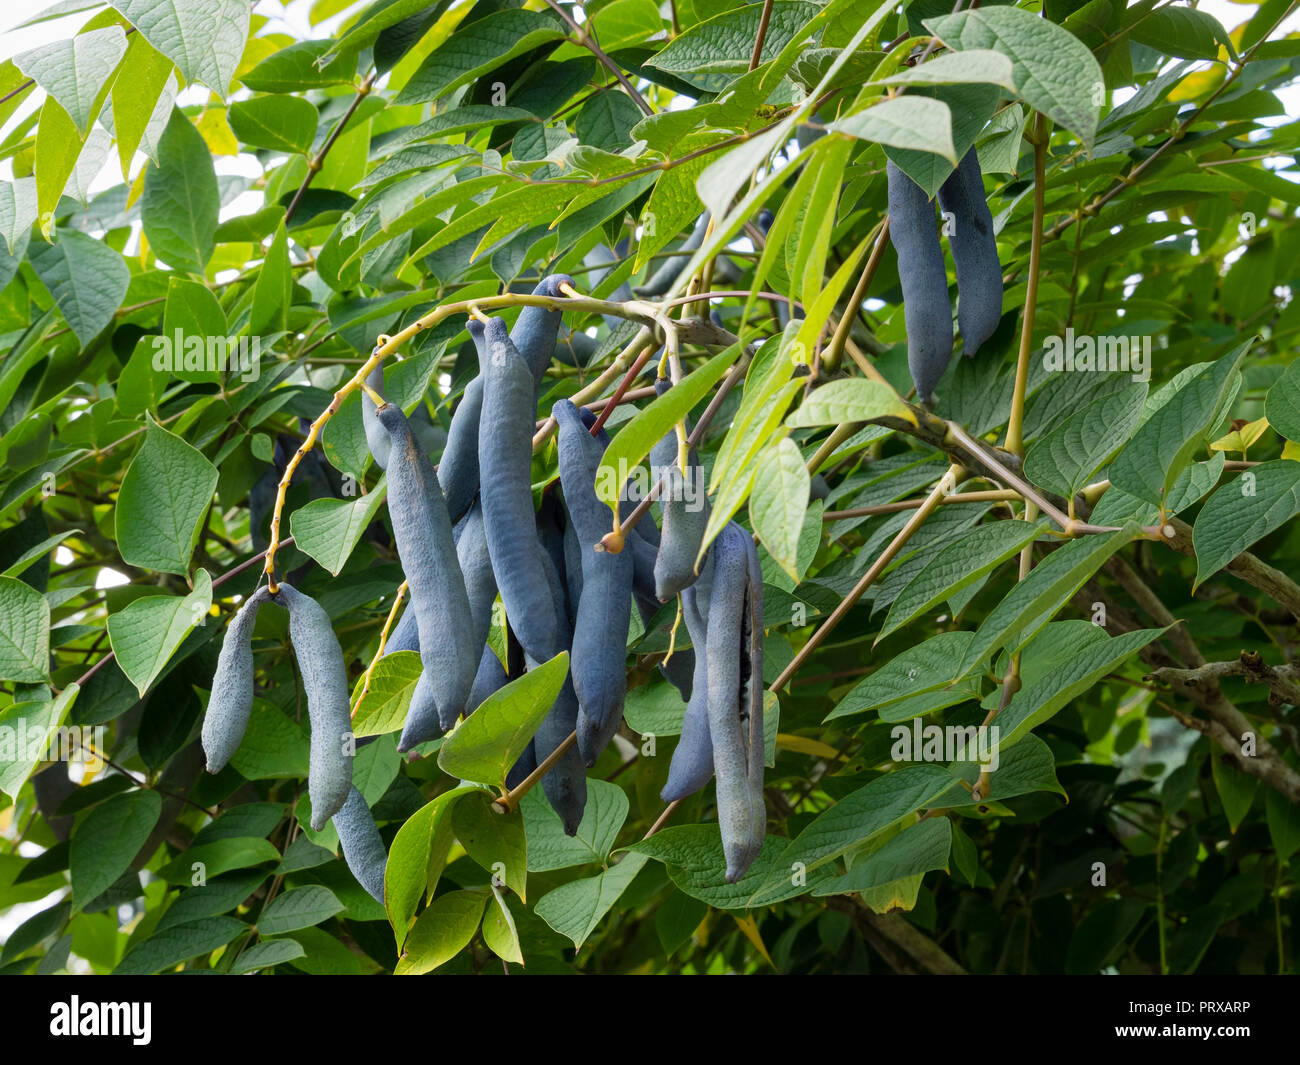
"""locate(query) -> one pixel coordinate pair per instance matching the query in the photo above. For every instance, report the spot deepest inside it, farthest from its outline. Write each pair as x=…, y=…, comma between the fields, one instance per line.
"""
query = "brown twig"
x=318, y=160
x=761, y=36
x=587, y=38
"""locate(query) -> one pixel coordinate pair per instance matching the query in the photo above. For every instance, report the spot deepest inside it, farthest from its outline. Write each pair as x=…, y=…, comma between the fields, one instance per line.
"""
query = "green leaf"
x=724, y=43
x=696, y=863
x=204, y=38
x=1166, y=441
x=279, y=123
x=328, y=529
x=1032, y=602
x=267, y=955
x=737, y=464
x=179, y=206
x=807, y=268
x=1282, y=404
x=297, y=908
x=136, y=99
x=18, y=210
x=913, y=122
x=917, y=670
x=1102, y=931
x=76, y=71
x=548, y=846
x=1283, y=819
x=500, y=935
x=486, y=744
x=273, y=292
x=298, y=68
x=853, y=399
x=193, y=322
x=476, y=49
x=673, y=204
x=1236, y=791
x=416, y=857
x=779, y=501
x=972, y=65
x=494, y=840
x=1027, y=767
x=855, y=820
x=86, y=277
x=1071, y=677
x=915, y=851
x=58, y=144
x=178, y=943
x=274, y=746
x=1243, y=512
x=146, y=632
x=22, y=723
x=376, y=19
x=1052, y=70
x=161, y=504
x=647, y=428
x=108, y=840
x=384, y=707
x=24, y=634
x=1064, y=459
x=218, y=857
x=442, y=932
x=576, y=908
x=958, y=566
x=1180, y=31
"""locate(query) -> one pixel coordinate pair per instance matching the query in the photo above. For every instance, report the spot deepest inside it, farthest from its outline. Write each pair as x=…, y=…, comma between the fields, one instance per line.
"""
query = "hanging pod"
x=480, y=589
x=692, y=762
x=599, y=665
x=536, y=329
x=685, y=507
x=734, y=652
x=458, y=469
x=565, y=785
x=428, y=555
x=926, y=309
x=363, y=850
x=974, y=253
x=231, y=700
x=325, y=682
x=376, y=436
x=505, y=462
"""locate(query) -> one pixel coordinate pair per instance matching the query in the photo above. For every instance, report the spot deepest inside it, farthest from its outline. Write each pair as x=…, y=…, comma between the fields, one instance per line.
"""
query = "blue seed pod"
x=428, y=554
x=325, y=682
x=974, y=253
x=576, y=349
x=599, y=665
x=565, y=786
x=924, y=280
x=376, y=437
x=535, y=330
x=458, y=468
x=735, y=697
x=692, y=763
x=481, y=591
x=491, y=677
x=363, y=850
x=524, y=765
x=505, y=461
x=231, y=700
x=686, y=516
x=405, y=635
